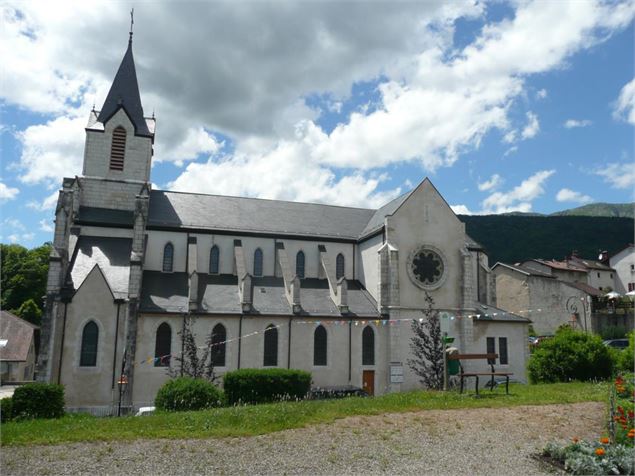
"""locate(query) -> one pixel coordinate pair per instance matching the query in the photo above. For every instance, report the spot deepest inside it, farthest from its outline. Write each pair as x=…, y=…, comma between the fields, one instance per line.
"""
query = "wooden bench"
x=492, y=373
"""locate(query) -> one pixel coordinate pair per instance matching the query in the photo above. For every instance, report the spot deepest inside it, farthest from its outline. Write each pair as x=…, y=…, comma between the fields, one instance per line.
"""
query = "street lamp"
x=122, y=382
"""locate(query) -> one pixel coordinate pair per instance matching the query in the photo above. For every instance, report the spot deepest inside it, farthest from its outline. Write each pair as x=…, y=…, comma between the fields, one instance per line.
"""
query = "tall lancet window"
x=258, y=262
x=299, y=264
x=339, y=266
x=168, y=258
x=214, y=260
x=118, y=148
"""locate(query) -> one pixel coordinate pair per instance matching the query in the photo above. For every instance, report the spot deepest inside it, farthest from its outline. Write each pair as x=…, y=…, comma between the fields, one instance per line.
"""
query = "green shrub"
x=266, y=385
x=6, y=409
x=626, y=358
x=187, y=393
x=38, y=400
x=570, y=355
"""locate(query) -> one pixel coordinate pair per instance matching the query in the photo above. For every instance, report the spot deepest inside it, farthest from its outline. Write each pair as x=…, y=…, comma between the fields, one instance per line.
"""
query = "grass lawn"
x=260, y=419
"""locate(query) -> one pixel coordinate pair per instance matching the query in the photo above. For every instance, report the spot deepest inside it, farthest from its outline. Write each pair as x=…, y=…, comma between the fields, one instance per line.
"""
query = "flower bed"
x=612, y=454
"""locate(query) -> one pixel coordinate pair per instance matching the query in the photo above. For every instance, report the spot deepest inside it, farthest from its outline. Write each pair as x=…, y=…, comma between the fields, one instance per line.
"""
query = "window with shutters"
x=299, y=264
x=491, y=349
x=502, y=351
x=163, y=346
x=168, y=258
x=214, y=261
x=368, y=346
x=319, y=346
x=258, y=262
x=217, y=352
x=270, y=358
x=90, y=338
x=118, y=148
x=339, y=266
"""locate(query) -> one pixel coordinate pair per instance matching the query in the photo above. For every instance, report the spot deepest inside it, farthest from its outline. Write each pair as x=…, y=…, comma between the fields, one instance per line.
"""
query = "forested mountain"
x=600, y=210
x=513, y=238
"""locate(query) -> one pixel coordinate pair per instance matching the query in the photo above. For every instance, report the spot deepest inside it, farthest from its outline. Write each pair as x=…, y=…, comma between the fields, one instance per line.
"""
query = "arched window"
x=368, y=346
x=217, y=352
x=271, y=347
x=163, y=346
x=168, y=258
x=214, y=260
x=319, y=346
x=90, y=337
x=258, y=262
x=118, y=148
x=339, y=266
x=299, y=264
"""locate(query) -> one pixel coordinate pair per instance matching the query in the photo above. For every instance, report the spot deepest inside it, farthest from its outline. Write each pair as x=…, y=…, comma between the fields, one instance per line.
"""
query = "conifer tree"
x=427, y=347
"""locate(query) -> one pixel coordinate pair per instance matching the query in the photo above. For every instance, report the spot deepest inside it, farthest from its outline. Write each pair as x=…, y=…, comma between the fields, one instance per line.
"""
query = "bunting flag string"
x=354, y=322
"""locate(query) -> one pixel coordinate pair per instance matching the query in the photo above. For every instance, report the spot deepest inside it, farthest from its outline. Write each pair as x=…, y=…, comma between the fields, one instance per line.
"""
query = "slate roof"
x=112, y=255
x=218, y=294
x=239, y=214
x=524, y=270
x=487, y=313
x=19, y=335
x=585, y=288
x=377, y=220
x=124, y=92
x=105, y=216
x=590, y=264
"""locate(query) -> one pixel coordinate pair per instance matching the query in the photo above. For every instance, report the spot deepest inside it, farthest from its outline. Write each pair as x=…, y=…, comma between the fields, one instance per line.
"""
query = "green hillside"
x=515, y=238
x=600, y=210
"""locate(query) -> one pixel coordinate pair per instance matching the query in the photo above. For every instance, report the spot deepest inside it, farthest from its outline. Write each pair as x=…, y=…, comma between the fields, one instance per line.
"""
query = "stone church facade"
x=332, y=290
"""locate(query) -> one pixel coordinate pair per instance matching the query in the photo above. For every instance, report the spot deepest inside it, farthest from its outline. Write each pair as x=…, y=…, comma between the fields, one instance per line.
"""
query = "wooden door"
x=368, y=379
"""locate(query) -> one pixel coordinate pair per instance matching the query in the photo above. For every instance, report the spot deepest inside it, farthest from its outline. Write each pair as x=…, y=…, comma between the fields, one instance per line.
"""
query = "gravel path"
x=463, y=442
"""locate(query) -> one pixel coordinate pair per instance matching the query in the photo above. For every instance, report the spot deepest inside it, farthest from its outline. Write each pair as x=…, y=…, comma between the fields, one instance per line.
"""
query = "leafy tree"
x=427, y=347
x=30, y=311
x=24, y=274
x=190, y=363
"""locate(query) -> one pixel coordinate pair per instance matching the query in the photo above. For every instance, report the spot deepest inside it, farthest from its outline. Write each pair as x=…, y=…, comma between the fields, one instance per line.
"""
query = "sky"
x=505, y=106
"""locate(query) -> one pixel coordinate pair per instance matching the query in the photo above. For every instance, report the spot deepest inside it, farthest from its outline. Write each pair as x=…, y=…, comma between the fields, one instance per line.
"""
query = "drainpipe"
x=289, y=346
x=350, y=351
x=114, y=355
x=240, y=337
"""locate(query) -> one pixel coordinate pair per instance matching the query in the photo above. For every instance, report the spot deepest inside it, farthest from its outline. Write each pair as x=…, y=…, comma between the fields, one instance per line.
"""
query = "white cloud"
x=520, y=197
x=47, y=204
x=494, y=181
x=7, y=193
x=13, y=224
x=46, y=226
x=532, y=127
x=625, y=106
x=434, y=103
x=541, y=94
x=461, y=210
x=618, y=175
x=568, y=195
x=572, y=123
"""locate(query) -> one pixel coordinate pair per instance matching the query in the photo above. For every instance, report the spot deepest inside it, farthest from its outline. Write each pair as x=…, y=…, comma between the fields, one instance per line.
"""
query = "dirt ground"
x=440, y=442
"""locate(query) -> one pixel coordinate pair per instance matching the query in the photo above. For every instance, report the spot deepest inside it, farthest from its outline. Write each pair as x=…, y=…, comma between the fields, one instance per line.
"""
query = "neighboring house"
x=576, y=270
x=17, y=348
x=329, y=289
x=623, y=262
x=549, y=302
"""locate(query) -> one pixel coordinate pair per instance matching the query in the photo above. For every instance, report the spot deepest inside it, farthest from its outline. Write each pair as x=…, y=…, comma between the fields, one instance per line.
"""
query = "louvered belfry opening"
x=118, y=149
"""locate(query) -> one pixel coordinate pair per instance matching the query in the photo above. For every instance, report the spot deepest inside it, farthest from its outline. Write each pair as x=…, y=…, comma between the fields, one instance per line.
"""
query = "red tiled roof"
x=19, y=336
x=563, y=265
x=585, y=288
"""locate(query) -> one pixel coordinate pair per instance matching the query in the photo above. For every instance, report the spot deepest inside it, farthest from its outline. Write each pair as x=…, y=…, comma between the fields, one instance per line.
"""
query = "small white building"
x=332, y=290
x=623, y=262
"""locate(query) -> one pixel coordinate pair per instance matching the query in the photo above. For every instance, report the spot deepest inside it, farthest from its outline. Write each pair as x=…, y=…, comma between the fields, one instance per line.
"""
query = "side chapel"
x=328, y=289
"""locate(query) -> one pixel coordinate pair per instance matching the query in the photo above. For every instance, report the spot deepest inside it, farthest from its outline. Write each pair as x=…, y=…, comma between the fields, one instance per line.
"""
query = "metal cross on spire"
x=131, y=23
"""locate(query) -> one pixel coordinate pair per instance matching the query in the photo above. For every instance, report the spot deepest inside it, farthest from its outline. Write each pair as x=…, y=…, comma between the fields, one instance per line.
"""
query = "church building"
x=332, y=290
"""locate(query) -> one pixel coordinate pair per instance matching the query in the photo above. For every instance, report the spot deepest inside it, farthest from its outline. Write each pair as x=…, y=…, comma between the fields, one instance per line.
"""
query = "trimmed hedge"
x=38, y=400
x=6, y=409
x=187, y=393
x=570, y=355
x=626, y=357
x=266, y=385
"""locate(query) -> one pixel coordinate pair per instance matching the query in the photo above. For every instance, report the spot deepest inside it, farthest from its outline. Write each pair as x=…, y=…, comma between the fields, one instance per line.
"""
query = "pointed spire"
x=124, y=92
